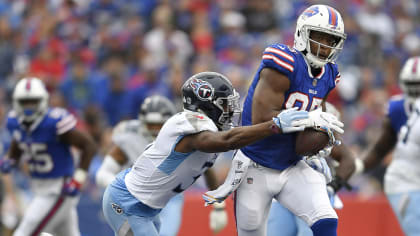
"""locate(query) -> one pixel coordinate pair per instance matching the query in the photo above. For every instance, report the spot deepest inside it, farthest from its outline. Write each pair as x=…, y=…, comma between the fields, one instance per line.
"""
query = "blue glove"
x=286, y=120
x=72, y=187
x=6, y=165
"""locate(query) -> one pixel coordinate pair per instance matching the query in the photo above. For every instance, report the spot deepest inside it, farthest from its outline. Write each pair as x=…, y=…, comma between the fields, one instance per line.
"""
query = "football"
x=310, y=142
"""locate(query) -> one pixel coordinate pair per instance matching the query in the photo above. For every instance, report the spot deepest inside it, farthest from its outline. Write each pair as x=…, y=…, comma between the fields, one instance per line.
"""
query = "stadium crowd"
x=101, y=58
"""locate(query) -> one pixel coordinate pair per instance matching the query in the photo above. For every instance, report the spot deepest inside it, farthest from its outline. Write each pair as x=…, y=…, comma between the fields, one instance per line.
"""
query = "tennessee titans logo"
x=117, y=208
x=202, y=89
x=311, y=11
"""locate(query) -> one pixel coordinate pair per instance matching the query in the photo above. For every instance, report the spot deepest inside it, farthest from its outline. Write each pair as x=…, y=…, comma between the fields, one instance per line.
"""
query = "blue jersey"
x=47, y=156
x=305, y=92
x=397, y=112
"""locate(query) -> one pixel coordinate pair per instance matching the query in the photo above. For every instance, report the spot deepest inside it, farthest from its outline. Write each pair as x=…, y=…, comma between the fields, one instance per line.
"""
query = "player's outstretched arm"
x=382, y=146
x=212, y=142
x=112, y=164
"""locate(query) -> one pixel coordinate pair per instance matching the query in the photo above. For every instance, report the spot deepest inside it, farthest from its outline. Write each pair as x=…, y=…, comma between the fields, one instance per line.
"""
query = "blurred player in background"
x=281, y=221
x=130, y=138
x=289, y=77
x=402, y=178
x=186, y=146
x=43, y=137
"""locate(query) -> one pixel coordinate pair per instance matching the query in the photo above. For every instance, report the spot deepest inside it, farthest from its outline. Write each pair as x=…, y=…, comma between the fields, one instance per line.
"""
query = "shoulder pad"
x=65, y=121
x=196, y=122
x=280, y=57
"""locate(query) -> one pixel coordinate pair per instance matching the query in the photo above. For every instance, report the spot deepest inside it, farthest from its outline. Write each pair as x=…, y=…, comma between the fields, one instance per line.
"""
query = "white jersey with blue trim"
x=131, y=137
x=403, y=174
x=160, y=172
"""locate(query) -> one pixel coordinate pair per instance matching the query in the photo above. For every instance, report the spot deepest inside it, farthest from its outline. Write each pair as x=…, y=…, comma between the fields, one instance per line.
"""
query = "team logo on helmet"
x=311, y=11
x=202, y=89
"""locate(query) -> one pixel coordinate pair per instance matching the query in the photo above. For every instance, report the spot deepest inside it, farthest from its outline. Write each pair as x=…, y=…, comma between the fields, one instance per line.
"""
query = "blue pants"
x=406, y=207
x=282, y=222
x=125, y=214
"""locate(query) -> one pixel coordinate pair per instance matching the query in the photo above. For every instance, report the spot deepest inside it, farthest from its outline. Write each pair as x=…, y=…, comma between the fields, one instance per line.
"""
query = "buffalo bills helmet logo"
x=311, y=11
x=202, y=89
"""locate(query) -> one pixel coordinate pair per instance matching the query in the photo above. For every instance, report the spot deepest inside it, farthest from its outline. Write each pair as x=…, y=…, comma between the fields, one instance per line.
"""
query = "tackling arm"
x=213, y=142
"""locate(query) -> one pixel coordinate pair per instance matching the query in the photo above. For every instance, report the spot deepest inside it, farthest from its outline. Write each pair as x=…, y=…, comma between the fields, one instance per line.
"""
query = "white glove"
x=236, y=173
x=218, y=217
x=334, y=198
x=319, y=164
x=321, y=120
x=287, y=119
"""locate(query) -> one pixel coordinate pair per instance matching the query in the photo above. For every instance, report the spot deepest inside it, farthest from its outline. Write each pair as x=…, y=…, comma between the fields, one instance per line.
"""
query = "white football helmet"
x=410, y=78
x=323, y=19
x=30, y=99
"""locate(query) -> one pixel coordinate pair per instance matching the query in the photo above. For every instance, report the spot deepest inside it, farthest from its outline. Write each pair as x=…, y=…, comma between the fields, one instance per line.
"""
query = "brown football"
x=310, y=142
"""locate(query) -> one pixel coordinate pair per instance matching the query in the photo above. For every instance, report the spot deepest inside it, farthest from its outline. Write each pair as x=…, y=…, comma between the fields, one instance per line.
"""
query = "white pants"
x=54, y=214
x=299, y=188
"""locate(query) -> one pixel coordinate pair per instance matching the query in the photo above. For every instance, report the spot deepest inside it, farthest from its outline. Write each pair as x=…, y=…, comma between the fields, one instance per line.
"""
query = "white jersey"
x=403, y=174
x=131, y=137
x=160, y=172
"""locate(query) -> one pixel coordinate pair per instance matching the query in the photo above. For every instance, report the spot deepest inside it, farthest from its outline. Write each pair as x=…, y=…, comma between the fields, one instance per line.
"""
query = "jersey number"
x=297, y=98
x=40, y=161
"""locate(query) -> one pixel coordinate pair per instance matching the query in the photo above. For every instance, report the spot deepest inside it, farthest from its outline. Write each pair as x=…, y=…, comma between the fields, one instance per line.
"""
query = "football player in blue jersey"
x=402, y=177
x=43, y=138
x=299, y=77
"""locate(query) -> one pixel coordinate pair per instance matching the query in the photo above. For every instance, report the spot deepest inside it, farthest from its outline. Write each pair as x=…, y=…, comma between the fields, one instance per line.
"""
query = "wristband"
x=359, y=166
x=80, y=175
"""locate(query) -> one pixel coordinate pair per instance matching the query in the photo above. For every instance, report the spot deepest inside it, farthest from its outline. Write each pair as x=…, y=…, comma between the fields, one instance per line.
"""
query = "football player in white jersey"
x=401, y=129
x=42, y=137
x=186, y=146
x=130, y=139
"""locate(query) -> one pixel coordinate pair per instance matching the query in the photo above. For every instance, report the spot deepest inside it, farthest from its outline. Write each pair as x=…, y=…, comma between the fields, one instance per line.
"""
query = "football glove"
x=321, y=120
x=218, y=217
x=234, y=178
x=319, y=164
x=287, y=119
x=73, y=185
x=335, y=200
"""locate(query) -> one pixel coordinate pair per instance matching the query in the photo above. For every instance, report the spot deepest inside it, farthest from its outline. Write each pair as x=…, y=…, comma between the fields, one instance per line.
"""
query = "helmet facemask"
x=334, y=43
x=411, y=88
x=230, y=111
